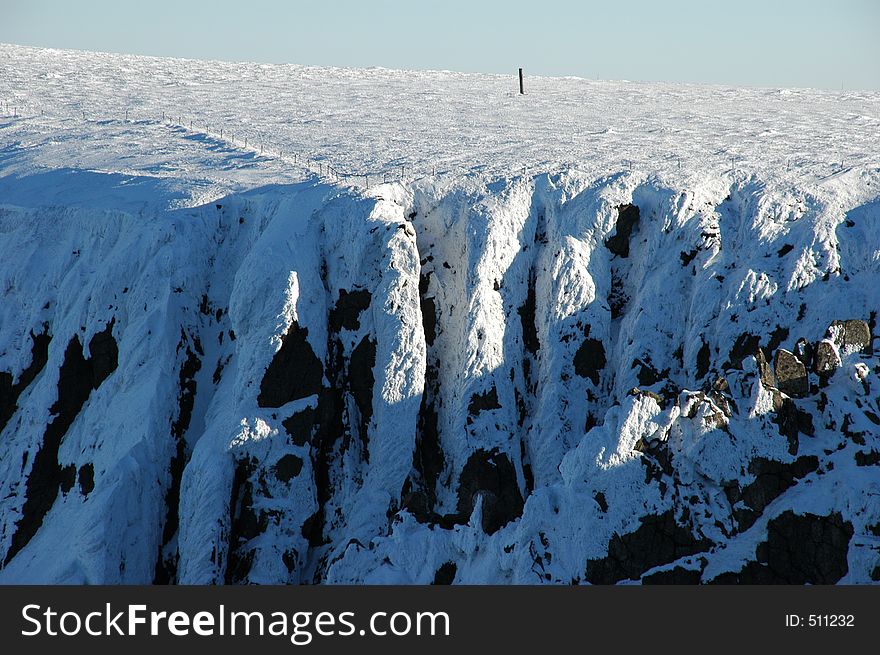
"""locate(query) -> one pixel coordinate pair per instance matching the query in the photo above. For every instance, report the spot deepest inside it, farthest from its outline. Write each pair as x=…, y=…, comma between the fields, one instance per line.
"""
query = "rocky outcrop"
x=658, y=540
x=490, y=476
x=295, y=372
x=800, y=549
x=77, y=378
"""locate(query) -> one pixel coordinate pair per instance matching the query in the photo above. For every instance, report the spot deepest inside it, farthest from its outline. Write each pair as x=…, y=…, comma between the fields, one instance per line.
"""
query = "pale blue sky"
x=818, y=43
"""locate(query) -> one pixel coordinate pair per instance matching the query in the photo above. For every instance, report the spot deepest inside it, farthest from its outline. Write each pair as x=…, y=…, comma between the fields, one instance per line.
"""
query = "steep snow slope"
x=222, y=367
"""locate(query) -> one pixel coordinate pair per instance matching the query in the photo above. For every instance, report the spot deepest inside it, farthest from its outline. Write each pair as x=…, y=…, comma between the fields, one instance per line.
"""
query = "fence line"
x=315, y=164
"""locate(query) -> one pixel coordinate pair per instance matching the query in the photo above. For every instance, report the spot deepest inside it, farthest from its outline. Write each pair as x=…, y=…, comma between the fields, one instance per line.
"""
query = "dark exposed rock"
x=658, y=460
x=678, y=576
x=784, y=250
x=289, y=557
x=648, y=394
x=9, y=392
x=599, y=497
x=288, y=467
x=428, y=459
x=589, y=360
x=627, y=219
x=777, y=337
x=299, y=426
x=791, y=374
x=527, y=320
x=648, y=375
x=445, y=575
x=481, y=402
x=243, y=523
x=791, y=420
x=429, y=310
x=87, y=478
x=658, y=540
x=703, y=361
x=800, y=549
x=166, y=563
x=295, y=372
x=617, y=297
x=103, y=354
x=826, y=359
x=719, y=393
x=68, y=478
x=765, y=371
x=347, y=311
x=805, y=352
x=870, y=458
x=772, y=478
x=687, y=257
x=745, y=345
x=77, y=378
x=361, y=379
x=311, y=529
x=714, y=416
x=420, y=506
x=492, y=476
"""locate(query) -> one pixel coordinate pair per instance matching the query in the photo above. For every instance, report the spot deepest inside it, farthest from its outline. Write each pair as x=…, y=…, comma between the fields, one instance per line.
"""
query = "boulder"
x=827, y=359
x=851, y=336
x=791, y=374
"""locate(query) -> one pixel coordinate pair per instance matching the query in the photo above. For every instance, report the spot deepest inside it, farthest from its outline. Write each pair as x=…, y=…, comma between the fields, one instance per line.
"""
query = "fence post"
x=126, y=114
x=521, y=88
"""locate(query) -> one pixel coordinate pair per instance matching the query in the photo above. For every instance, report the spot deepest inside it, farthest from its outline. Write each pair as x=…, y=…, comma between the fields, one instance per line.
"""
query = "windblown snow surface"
x=606, y=332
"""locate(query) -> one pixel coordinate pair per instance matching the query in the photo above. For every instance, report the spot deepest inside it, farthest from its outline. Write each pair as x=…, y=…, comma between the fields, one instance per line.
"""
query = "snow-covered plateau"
x=285, y=324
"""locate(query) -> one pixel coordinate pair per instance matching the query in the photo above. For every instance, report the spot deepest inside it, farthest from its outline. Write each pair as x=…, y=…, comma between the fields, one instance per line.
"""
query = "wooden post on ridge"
x=521, y=88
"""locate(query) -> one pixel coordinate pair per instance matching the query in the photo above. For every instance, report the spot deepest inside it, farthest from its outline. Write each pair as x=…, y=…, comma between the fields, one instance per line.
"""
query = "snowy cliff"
x=215, y=368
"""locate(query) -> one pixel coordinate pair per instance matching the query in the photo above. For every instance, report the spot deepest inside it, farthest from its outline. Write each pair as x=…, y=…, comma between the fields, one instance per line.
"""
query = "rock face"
x=765, y=371
x=428, y=384
x=658, y=540
x=800, y=549
x=627, y=220
x=791, y=374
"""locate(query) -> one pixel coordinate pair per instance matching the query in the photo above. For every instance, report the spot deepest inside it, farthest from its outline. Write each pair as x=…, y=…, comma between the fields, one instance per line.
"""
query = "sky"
x=830, y=44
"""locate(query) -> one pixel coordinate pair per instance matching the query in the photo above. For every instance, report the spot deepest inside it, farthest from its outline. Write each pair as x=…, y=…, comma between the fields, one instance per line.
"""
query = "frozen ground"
x=538, y=353
x=373, y=121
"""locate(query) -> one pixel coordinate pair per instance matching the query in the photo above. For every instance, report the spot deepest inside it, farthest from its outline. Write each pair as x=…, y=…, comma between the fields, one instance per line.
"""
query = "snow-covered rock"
x=216, y=367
